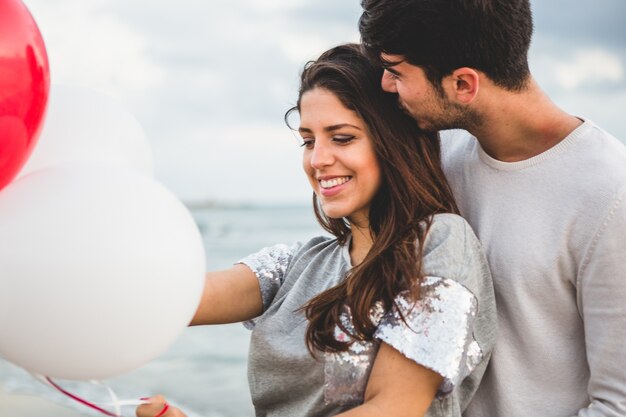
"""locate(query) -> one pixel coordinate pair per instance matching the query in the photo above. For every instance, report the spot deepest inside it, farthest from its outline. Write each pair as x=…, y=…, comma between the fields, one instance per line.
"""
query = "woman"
x=394, y=316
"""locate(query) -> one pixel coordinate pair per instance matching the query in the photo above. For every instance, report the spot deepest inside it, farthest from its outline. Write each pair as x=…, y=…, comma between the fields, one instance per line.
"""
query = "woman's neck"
x=361, y=243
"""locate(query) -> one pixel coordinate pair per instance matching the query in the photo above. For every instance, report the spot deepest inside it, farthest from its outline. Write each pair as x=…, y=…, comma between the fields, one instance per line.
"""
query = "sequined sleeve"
x=269, y=265
x=437, y=330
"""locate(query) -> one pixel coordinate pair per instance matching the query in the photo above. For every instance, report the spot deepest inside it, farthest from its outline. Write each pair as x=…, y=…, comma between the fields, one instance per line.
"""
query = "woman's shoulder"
x=449, y=219
x=315, y=245
x=452, y=250
x=314, y=249
x=285, y=254
x=448, y=229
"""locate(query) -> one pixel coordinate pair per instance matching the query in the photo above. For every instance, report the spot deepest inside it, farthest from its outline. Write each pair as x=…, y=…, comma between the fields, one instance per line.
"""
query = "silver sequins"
x=438, y=336
x=269, y=265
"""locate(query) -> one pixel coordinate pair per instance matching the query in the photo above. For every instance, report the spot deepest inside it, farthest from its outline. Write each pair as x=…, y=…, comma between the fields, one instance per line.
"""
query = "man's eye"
x=392, y=75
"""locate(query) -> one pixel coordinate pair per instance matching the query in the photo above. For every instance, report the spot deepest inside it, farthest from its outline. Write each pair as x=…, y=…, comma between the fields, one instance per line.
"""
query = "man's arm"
x=602, y=303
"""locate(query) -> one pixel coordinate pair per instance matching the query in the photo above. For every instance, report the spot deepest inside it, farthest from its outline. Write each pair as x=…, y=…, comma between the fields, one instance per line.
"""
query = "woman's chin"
x=333, y=213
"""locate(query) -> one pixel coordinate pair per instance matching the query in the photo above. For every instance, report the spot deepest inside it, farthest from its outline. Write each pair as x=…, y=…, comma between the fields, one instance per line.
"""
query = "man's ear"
x=463, y=85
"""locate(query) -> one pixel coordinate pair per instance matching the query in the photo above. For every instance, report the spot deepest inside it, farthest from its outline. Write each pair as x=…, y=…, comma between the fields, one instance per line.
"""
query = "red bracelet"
x=166, y=407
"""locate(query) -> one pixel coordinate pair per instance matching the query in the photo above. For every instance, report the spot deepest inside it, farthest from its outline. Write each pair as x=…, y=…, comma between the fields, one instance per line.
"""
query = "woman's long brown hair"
x=413, y=189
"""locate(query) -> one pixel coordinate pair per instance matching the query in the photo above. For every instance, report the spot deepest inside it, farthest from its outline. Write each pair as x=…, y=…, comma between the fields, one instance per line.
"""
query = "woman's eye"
x=307, y=143
x=343, y=139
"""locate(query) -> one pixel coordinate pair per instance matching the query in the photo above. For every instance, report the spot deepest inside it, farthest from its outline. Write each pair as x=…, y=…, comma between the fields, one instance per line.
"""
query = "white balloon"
x=100, y=271
x=85, y=125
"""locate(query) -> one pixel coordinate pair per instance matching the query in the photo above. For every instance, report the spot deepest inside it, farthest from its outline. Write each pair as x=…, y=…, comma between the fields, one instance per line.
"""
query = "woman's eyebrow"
x=329, y=128
x=339, y=126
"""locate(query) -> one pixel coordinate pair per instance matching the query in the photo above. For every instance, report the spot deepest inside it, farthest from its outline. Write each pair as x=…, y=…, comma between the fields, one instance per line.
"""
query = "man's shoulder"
x=603, y=150
x=456, y=145
x=454, y=138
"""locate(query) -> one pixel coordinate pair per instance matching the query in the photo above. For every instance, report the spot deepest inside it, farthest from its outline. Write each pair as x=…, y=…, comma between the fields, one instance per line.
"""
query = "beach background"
x=204, y=372
x=209, y=82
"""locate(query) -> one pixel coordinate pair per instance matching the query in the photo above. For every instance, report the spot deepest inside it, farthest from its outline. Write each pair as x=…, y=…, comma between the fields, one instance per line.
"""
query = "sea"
x=204, y=371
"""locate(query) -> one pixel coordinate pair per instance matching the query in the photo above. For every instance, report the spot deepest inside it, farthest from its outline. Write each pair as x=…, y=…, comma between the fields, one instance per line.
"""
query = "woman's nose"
x=321, y=155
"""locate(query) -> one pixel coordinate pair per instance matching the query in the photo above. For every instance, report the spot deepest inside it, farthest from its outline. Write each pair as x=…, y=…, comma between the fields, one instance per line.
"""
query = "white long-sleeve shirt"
x=554, y=231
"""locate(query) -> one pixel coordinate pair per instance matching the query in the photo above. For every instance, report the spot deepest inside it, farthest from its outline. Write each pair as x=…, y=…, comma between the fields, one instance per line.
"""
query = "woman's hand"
x=157, y=407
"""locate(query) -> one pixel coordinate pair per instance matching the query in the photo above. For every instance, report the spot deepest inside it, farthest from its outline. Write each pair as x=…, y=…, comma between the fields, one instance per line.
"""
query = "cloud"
x=581, y=23
x=86, y=46
x=210, y=81
x=589, y=67
x=578, y=55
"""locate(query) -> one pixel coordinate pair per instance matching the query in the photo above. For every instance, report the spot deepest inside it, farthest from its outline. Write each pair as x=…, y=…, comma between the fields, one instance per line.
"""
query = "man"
x=544, y=190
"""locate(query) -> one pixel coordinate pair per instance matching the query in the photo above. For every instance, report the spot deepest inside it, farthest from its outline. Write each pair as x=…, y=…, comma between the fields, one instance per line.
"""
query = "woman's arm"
x=397, y=387
x=229, y=296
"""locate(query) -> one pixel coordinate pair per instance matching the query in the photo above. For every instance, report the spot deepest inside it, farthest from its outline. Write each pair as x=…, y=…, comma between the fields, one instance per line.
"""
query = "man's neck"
x=519, y=125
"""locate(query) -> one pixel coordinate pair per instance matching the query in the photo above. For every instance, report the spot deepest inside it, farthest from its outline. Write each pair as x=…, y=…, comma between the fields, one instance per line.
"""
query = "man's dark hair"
x=492, y=36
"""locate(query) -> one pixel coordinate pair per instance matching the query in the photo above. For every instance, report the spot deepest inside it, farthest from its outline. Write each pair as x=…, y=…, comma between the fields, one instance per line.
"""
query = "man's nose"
x=388, y=83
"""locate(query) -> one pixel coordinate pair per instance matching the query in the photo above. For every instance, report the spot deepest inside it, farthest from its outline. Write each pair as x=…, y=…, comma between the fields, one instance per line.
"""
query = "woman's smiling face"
x=339, y=157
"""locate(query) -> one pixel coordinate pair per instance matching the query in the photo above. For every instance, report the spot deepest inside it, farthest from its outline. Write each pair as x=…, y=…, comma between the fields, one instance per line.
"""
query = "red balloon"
x=24, y=87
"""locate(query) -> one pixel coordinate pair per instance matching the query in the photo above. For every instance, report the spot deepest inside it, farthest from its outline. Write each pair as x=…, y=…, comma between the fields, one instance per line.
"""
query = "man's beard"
x=454, y=116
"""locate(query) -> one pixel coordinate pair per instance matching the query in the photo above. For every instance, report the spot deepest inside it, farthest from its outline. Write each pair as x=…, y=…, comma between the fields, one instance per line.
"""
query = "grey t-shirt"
x=451, y=329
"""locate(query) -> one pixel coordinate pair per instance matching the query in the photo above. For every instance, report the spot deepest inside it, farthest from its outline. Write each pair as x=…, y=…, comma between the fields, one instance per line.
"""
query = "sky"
x=210, y=81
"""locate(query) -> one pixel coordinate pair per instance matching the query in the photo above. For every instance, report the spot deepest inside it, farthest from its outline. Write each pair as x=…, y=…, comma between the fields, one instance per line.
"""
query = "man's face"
x=430, y=107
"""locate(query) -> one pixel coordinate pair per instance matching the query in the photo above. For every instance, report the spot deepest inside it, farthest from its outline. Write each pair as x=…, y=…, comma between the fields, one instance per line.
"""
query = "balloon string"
x=116, y=403
x=80, y=400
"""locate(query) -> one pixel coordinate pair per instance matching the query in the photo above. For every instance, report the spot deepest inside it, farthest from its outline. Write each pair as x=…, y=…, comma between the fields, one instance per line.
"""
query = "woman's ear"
x=463, y=84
